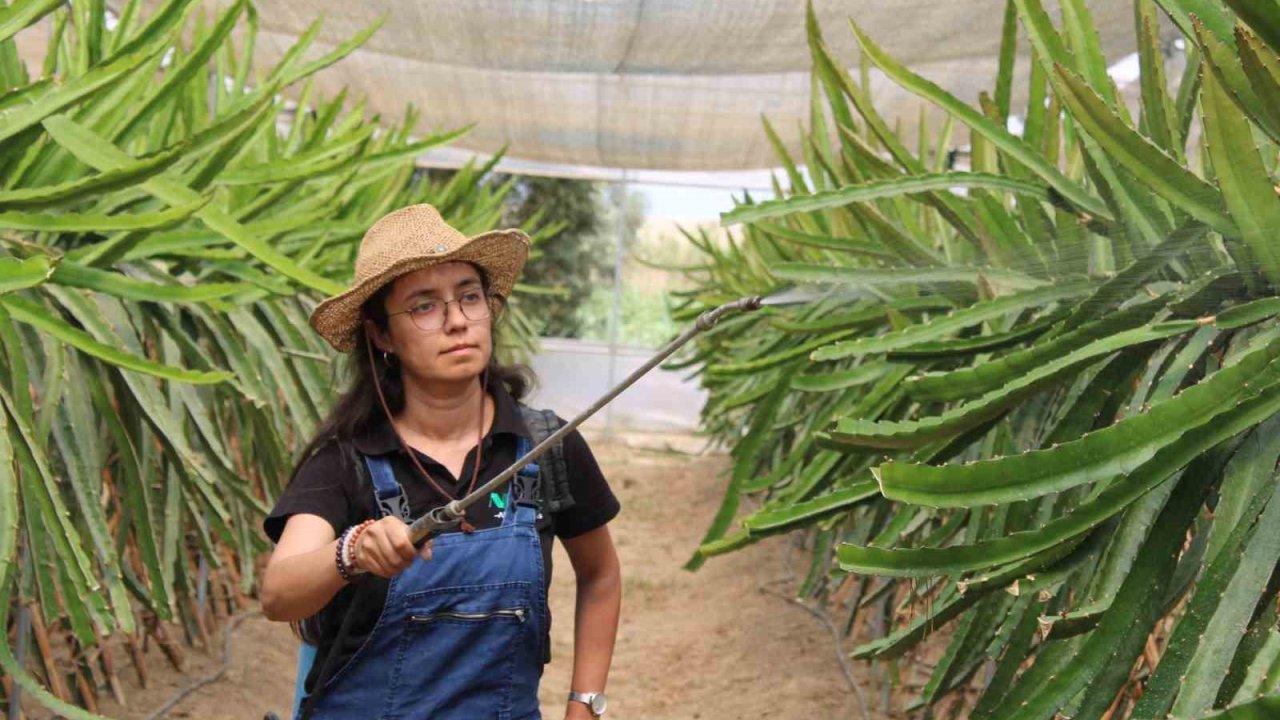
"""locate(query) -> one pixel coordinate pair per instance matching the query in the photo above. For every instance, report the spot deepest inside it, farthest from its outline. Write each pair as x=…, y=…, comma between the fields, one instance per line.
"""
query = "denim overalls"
x=460, y=636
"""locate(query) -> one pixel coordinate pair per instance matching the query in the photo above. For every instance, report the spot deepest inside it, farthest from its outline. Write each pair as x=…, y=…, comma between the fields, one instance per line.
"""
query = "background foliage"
x=1033, y=402
x=576, y=264
x=167, y=222
x=580, y=256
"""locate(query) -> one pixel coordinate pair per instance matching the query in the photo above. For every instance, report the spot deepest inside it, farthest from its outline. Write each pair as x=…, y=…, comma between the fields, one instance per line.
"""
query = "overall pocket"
x=458, y=650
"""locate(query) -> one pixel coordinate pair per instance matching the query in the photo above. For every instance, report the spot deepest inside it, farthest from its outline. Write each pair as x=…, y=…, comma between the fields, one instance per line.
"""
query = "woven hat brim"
x=502, y=254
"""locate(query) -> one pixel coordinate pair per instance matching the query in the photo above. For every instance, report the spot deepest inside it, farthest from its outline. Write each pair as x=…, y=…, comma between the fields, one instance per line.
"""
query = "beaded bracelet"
x=354, y=544
x=339, y=552
x=347, y=539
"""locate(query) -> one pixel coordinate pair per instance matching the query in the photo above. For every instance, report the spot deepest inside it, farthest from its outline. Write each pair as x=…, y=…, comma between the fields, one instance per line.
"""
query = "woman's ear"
x=381, y=340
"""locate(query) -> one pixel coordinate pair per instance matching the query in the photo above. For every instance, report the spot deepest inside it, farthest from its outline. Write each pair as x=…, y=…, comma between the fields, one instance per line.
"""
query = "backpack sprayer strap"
x=554, y=470
x=526, y=486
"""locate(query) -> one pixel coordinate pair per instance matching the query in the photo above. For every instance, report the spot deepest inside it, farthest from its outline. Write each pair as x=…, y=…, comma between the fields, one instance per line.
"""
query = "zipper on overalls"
x=517, y=613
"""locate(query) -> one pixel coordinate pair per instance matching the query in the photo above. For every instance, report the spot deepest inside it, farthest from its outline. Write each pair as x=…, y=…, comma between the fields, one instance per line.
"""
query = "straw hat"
x=408, y=239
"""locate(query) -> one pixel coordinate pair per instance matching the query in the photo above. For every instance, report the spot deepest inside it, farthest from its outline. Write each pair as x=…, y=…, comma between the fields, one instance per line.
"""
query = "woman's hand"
x=386, y=549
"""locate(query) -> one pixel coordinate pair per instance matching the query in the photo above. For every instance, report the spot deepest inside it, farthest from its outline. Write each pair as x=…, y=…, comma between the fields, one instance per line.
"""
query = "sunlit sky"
x=690, y=203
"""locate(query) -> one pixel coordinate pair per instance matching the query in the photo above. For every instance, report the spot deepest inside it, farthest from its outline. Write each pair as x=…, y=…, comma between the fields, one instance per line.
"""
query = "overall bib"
x=460, y=636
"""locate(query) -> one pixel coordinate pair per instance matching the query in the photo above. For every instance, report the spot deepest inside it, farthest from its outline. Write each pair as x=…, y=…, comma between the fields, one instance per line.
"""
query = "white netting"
x=670, y=84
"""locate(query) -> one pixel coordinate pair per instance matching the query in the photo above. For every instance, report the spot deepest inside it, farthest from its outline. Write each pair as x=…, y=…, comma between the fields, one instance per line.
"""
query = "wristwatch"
x=594, y=700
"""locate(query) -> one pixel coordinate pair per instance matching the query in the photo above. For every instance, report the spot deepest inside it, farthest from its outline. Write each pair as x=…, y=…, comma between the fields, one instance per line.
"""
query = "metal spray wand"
x=451, y=514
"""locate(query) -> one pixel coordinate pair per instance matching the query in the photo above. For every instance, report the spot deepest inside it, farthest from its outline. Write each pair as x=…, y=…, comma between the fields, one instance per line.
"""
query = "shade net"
x=645, y=84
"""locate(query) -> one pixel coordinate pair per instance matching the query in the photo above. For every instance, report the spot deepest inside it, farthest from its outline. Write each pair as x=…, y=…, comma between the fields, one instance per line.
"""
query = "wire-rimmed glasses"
x=429, y=314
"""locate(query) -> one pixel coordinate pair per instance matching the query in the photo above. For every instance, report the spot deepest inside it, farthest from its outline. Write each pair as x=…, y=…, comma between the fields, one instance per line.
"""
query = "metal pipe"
x=619, y=192
x=451, y=514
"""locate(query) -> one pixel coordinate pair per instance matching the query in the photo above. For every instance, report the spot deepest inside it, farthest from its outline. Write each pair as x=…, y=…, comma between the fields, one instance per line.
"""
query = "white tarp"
x=659, y=84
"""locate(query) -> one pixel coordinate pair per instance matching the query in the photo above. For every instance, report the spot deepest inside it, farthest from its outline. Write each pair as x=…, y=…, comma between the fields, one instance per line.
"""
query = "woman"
x=458, y=627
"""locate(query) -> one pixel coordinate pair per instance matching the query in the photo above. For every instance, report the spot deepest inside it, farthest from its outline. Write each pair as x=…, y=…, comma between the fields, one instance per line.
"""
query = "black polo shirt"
x=328, y=485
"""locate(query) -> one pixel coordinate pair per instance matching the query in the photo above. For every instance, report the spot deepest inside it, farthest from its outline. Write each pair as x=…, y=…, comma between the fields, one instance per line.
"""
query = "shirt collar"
x=380, y=438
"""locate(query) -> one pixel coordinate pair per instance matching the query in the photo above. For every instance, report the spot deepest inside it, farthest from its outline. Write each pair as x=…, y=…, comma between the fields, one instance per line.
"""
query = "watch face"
x=599, y=703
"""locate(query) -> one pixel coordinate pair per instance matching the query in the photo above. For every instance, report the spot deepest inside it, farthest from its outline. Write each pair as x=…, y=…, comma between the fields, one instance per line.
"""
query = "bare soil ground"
x=709, y=645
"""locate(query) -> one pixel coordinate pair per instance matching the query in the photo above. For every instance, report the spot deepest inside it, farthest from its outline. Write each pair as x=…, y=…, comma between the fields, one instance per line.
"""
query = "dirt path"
x=707, y=645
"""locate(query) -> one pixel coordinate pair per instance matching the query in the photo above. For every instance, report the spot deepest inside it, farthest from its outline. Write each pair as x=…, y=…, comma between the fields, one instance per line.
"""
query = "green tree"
x=578, y=259
x=574, y=260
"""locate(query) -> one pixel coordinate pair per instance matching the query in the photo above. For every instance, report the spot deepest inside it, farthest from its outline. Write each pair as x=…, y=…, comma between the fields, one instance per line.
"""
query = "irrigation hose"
x=211, y=677
x=825, y=619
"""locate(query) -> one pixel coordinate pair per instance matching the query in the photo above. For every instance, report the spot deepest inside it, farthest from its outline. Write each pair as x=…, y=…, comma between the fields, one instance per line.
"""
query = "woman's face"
x=459, y=349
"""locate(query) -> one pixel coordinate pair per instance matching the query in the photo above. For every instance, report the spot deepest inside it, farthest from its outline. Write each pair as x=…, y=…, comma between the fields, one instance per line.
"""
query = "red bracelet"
x=355, y=544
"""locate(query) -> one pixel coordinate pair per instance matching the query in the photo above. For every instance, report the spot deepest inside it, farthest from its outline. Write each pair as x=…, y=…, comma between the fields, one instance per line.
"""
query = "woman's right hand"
x=386, y=549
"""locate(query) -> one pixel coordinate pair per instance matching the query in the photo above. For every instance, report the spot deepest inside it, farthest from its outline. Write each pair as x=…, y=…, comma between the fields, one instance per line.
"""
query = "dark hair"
x=357, y=409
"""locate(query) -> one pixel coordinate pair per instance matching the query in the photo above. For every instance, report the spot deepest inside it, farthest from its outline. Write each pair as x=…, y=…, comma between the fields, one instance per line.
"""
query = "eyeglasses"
x=429, y=315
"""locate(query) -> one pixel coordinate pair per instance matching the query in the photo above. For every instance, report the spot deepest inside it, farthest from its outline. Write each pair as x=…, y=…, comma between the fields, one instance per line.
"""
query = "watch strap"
x=586, y=699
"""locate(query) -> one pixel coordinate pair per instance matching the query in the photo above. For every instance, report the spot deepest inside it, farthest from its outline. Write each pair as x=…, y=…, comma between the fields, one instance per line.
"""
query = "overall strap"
x=388, y=495
x=554, y=471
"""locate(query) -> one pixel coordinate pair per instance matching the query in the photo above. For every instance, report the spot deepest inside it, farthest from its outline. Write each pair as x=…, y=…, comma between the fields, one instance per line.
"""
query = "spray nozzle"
x=709, y=318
